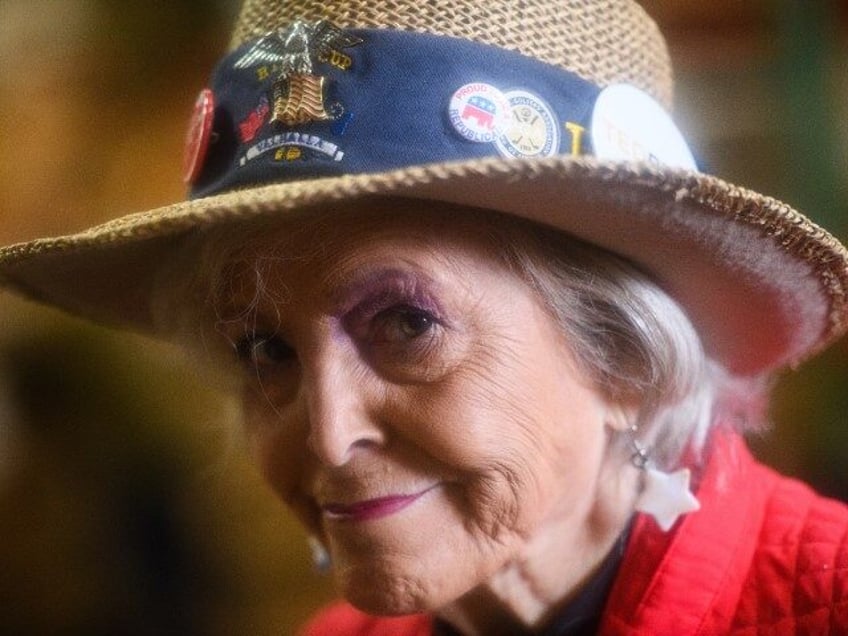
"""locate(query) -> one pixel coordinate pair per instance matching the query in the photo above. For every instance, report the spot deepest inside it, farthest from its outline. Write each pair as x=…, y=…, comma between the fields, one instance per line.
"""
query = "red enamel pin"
x=199, y=133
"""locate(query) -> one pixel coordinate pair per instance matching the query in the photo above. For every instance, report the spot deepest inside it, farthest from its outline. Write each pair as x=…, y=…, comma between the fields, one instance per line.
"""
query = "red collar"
x=699, y=567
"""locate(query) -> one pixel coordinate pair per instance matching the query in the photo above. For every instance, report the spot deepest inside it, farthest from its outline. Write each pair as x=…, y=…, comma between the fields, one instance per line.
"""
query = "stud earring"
x=664, y=496
x=320, y=556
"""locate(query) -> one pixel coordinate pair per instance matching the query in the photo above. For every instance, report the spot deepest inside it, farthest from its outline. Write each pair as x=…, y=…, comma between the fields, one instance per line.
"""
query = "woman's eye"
x=264, y=351
x=400, y=324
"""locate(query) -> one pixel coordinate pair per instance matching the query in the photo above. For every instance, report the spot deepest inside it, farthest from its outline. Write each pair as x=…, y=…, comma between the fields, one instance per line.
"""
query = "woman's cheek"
x=280, y=466
x=273, y=445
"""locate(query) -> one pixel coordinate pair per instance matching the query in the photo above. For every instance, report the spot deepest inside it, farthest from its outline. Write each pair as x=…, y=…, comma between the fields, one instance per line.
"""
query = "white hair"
x=634, y=341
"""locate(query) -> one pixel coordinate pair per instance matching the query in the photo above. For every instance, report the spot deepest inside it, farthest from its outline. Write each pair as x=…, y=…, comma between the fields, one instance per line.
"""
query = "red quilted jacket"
x=765, y=556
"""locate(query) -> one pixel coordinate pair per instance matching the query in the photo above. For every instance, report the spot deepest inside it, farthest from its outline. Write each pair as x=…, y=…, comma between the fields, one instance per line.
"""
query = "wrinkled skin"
x=413, y=402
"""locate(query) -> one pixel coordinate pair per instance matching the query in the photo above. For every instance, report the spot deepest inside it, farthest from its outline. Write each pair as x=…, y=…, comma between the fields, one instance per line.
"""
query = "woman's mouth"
x=370, y=509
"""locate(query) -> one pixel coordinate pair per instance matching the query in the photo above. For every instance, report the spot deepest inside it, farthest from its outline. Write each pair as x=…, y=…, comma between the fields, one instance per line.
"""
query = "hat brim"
x=764, y=285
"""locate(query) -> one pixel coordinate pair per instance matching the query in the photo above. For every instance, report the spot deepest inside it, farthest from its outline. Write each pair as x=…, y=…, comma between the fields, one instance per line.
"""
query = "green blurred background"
x=126, y=503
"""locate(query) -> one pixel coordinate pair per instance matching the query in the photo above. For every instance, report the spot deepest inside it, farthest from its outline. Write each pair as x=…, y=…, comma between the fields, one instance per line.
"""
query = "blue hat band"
x=391, y=100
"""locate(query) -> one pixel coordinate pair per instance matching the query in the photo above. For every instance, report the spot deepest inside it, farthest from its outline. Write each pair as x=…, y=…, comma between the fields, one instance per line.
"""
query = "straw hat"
x=553, y=110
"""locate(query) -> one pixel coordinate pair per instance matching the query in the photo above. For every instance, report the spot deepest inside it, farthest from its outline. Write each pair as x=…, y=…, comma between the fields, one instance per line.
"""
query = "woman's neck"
x=553, y=567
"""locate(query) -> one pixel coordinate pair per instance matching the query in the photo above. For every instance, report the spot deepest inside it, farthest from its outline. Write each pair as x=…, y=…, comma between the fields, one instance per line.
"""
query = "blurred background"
x=126, y=503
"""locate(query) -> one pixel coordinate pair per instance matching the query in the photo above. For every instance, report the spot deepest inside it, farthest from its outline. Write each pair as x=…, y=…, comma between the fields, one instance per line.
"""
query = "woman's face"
x=411, y=400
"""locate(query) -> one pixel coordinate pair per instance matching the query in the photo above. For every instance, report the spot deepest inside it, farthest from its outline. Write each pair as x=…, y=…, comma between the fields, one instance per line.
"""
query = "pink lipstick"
x=370, y=509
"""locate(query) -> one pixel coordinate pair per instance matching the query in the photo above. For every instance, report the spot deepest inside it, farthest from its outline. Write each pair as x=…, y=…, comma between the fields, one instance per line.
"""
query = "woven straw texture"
x=103, y=273
x=578, y=36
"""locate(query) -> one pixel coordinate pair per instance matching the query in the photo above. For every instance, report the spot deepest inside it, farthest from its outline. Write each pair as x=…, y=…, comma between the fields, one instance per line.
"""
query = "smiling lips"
x=371, y=509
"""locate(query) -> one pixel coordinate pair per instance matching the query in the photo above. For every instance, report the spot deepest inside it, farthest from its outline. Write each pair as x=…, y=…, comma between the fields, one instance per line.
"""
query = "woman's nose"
x=340, y=415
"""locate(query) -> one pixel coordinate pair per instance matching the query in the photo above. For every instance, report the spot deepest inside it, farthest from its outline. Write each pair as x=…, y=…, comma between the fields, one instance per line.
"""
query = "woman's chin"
x=385, y=589
x=386, y=597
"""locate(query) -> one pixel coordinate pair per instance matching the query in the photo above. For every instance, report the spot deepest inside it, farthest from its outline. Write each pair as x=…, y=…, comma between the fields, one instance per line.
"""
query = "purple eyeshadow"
x=383, y=289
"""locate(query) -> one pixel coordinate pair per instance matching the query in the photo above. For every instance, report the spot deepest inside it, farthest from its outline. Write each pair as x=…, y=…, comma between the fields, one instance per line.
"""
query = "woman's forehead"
x=335, y=256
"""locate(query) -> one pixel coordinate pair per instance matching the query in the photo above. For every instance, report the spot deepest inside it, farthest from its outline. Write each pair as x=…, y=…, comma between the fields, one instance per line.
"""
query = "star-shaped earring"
x=320, y=556
x=666, y=496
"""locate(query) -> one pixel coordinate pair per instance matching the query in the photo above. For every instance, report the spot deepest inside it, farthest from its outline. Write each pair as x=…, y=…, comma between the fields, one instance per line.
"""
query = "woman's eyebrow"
x=349, y=288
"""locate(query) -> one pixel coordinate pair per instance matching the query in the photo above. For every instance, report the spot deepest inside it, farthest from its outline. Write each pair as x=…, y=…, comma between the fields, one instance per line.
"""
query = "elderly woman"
x=495, y=337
